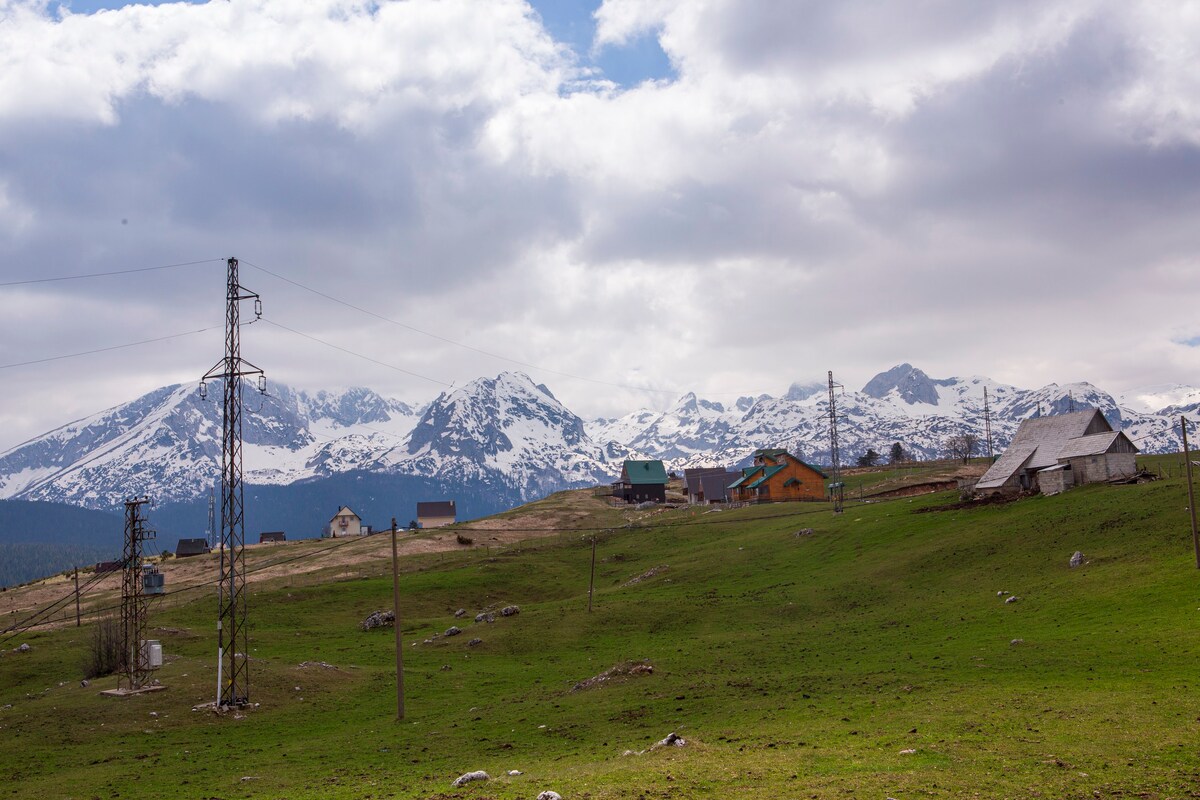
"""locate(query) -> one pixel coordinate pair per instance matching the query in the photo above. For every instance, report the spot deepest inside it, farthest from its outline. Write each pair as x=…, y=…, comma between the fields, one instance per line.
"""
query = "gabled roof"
x=715, y=486
x=768, y=473
x=1093, y=445
x=343, y=512
x=692, y=477
x=1041, y=441
x=747, y=474
x=640, y=473
x=437, y=508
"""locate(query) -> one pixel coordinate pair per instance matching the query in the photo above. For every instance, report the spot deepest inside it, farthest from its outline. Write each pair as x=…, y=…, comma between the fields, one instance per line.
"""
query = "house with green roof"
x=777, y=475
x=641, y=482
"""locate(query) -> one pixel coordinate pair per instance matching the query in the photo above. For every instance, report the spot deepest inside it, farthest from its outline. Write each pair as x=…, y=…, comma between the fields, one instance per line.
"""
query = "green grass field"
x=871, y=658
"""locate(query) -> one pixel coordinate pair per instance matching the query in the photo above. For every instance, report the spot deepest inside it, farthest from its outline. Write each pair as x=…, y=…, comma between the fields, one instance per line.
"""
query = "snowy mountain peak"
x=908, y=383
x=802, y=391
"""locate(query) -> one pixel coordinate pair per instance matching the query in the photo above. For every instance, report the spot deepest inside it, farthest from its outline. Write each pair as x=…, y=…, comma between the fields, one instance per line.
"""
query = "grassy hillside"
x=871, y=657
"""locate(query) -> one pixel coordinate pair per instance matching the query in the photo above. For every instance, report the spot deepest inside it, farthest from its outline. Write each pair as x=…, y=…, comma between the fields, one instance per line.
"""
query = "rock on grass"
x=471, y=777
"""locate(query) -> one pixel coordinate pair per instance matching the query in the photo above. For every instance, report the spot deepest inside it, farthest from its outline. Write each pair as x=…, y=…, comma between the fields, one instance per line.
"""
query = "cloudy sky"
x=625, y=199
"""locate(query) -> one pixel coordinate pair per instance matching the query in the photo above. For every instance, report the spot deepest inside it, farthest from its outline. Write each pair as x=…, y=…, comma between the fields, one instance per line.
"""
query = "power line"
x=60, y=278
x=457, y=343
x=108, y=349
x=356, y=355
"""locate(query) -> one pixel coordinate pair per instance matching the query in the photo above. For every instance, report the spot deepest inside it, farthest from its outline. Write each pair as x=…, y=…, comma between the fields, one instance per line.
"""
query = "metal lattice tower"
x=987, y=423
x=134, y=601
x=232, y=633
x=212, y=518
x=835, y=459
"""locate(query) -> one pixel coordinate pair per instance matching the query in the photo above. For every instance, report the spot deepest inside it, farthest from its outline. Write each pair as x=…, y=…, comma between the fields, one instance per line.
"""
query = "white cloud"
x=900, y=183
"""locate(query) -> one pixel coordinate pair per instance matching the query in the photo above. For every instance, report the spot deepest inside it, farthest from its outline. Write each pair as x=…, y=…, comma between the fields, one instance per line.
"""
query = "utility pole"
x=1071, y=402
x=987, y=424
x=233, y=689
x=1187, y=460
x=399, y=637
x=134, y=601
x=592, y=579
x=77, y=620
x=836, y=485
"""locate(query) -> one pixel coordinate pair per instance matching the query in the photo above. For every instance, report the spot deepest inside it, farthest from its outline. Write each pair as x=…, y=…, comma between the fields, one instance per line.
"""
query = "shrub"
x=104, y=655
x=465, y=539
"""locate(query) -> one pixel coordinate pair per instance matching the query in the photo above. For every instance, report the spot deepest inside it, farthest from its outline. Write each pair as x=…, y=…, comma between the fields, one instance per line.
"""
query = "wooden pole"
x=77, y=622
x=592, y=580
x=1187, y=461
x=399, y=638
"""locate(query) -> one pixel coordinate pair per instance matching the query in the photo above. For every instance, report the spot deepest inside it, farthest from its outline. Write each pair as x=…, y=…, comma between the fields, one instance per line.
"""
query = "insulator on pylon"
x=258, y=307
x=262, y=384
x=203, y=390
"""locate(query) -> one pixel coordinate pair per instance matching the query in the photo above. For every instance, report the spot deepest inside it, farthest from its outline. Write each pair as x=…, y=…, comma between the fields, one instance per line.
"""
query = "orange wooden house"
x=778, y=475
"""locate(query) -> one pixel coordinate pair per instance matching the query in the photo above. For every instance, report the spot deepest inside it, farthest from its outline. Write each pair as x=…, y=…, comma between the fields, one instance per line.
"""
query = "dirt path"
x=266, y=562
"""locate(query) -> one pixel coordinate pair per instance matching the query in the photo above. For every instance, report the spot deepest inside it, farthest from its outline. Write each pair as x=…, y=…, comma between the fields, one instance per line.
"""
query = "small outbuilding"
x=641, y=482
x=192, y=547
x=345, y=523
x=272, y=537
x=436, y=513
x=777, y=475
x=1052, y=454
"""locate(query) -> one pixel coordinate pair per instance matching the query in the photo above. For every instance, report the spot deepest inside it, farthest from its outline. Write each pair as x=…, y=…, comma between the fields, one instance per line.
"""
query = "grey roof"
x=1093, y=445
x=437, y=508
x=716, y=485
x=1041, y=441
x=693, y=475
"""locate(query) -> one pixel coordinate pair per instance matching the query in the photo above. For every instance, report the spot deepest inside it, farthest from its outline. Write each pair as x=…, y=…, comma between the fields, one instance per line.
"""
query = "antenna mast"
x=836, y=485
x=232, y=635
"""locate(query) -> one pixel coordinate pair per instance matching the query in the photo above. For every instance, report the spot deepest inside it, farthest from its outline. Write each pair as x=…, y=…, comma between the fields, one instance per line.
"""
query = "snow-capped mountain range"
x=508, y=431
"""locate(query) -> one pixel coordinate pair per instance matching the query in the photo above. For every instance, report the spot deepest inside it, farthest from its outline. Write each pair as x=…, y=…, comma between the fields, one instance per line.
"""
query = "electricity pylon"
x=233, y=683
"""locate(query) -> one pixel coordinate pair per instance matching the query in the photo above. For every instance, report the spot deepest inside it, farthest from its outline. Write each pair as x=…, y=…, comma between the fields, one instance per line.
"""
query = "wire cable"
x=356, y=355
x=456, y=343
x=60, y=278
x=108, y=349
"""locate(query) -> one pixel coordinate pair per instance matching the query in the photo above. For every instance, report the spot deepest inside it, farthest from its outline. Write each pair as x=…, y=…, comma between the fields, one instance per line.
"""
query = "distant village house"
x=706, y=485
x=436, y=514
x=345, y=523
x=777, y=475
x=192, y=547
x=641, y=482
x=1052, y=454
x=272, y=537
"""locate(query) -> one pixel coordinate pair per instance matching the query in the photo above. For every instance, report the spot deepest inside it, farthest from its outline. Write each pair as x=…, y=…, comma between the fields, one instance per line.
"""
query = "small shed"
x=272, y=537
x=436, y=513
x=345, y=523
x=641, y=482
x=192, y=547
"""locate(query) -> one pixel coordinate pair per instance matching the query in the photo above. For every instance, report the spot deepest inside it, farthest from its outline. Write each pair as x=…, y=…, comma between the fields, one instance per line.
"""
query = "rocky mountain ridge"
x=515, y=436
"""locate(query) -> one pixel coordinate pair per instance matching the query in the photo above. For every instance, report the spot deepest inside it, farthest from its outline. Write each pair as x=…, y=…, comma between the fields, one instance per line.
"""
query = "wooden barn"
x=345, y=523
x=436, y=514
x=641, y=482
x=1052, y=454
x=776, y=476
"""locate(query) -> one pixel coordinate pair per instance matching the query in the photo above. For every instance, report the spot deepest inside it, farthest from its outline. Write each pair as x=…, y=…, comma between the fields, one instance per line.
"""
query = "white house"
x=345, y=523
